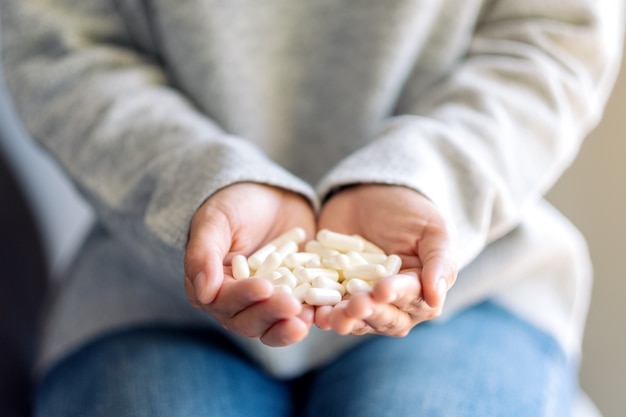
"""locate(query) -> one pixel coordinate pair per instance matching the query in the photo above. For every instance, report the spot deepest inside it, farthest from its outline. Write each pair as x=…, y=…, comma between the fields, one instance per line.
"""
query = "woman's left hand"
x=400, y=221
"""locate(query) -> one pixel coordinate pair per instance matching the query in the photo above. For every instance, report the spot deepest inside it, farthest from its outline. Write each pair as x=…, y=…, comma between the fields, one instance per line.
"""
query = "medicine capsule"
x=287, y=248
x=300, y=291
x=323, y=282
x=297, y=234
x=290, y=280
x=355, y=285
x=313, y=263
x=322, y=297
x=339, y=241
x=271, y=263
x=339, y=262
x=365, y=272
x=256, y=259
x=316, y=247
x=368, y=246
x=393, y=264
x=299, y=258
x=240, y=266
x=286, y=289
x=374, y=258
x=356, y=258
x=270, y=276
x=308, y=274
x=286, y=272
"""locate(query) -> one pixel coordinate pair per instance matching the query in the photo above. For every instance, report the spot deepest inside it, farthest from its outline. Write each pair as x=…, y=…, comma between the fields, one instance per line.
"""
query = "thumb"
x=439, y=270
x=209, y=243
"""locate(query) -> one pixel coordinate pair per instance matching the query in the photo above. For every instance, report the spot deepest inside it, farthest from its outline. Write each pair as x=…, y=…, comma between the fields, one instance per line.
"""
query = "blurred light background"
x=592, y=194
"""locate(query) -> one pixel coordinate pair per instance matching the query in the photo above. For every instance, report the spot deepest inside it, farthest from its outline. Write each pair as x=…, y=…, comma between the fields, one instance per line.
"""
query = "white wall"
x=592, y=194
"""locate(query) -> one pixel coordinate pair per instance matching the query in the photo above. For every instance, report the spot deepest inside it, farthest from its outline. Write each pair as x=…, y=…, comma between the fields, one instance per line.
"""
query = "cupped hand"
x=239, y=219
x=400, y=221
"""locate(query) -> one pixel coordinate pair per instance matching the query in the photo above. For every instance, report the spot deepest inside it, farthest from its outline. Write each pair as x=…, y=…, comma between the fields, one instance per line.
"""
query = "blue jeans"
x=484, y=362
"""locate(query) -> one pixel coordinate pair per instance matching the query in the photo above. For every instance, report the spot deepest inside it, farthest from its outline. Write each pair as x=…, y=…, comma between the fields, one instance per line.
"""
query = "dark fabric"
x=22, y=285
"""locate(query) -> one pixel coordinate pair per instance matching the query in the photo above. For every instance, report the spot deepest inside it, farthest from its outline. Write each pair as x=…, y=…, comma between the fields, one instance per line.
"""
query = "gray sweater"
x=152, y=106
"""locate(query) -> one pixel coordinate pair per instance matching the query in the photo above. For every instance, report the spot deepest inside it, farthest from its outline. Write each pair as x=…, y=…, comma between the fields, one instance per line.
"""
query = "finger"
x=437, y=277
x=347, y=316
x=238, y=295
x=387, y=319
x=439, y=268
x=191, y=293
x=307, y=314
x=255, y=320
x=361, y=328
x=341, y=321
x=286, y=332
x=208, y=244
x=322, y=317
x=400, y=289
x=382, y=317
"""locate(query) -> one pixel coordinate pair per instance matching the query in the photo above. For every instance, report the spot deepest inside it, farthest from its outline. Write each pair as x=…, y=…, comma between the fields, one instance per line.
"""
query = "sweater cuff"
x=205, y=169
x=413, y=152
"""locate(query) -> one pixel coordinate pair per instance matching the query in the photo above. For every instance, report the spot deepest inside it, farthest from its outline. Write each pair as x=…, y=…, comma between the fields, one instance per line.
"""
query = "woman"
x=201, y=130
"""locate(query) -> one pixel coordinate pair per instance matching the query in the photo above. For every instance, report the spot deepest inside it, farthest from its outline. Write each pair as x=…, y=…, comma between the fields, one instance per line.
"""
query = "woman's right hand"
x=239, y=219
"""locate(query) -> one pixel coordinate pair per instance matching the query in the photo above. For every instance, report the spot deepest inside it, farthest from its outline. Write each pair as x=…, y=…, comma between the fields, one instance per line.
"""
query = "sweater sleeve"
x=137, y=148
x=496, y=132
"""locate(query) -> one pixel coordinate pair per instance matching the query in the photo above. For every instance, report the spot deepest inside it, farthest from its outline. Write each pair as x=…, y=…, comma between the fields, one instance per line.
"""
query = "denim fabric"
x=483, y=362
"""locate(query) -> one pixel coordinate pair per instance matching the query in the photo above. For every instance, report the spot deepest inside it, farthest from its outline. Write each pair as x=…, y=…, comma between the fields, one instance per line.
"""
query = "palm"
x=394, y=218
x=400, y=221
x=240, y=219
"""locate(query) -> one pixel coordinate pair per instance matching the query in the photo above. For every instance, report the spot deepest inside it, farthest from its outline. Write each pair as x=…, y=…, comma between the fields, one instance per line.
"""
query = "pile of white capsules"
x=330, y=267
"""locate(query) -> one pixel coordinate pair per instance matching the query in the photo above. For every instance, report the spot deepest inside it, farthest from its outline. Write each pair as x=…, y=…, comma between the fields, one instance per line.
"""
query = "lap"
x=484, y=362
x=160, y=372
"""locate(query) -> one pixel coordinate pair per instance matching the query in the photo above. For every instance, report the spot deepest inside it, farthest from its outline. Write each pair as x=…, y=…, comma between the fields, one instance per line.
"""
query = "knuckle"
x=235, y=327
x=392, y=326
x=416, y=304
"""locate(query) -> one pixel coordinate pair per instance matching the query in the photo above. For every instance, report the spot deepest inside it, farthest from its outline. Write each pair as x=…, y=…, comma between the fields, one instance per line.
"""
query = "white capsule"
x=240, y=266
x=393, y=264
x=338, y=262
x=271, y=263
x=323, y=282
x=313, y=263
x=300, y=291
x=368, y=246
x=366, y=272
x=287, y=248
x=256, y=259
x=270, y=276
x=355, y=285
x=299, y=258
x=316, y=247
x=281, y=288
x=289, y=280
x=308, y=274
x=322, y=297
x=356, y=258
x=297, y=234
x=284, y=271
x=374, y=258
x=339, y=241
